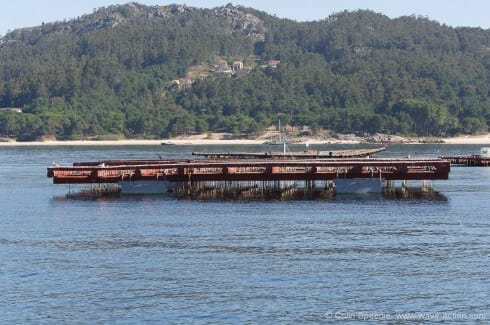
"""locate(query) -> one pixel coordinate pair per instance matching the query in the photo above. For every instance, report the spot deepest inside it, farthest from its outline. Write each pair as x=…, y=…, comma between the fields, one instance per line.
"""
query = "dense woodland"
x=109, y=74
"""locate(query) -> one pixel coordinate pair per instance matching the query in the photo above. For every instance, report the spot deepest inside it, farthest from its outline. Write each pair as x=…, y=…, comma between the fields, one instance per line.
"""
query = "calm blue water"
x=164, y=260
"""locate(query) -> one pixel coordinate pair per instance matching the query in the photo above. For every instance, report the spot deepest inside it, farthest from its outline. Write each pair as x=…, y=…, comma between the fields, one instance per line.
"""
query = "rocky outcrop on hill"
x=231, y=19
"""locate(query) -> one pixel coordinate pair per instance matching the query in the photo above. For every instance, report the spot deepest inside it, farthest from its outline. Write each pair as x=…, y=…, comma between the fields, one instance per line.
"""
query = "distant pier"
x=481, y=160
x=468, y=161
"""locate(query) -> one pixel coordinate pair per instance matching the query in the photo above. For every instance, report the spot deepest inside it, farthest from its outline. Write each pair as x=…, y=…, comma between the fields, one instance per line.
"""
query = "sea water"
x=158, y=259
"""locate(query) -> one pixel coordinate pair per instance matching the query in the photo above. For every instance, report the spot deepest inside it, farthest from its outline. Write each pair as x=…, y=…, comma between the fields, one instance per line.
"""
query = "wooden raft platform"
x=309, y=154
x=204, y=170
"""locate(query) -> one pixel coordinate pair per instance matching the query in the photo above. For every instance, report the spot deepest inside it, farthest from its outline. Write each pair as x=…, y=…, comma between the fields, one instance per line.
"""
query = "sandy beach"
x=130, y=142
x=469, y=139
x=204, y=140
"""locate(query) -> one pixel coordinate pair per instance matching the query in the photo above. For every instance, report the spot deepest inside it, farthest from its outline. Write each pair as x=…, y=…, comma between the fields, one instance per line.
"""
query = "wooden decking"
x=204, y=170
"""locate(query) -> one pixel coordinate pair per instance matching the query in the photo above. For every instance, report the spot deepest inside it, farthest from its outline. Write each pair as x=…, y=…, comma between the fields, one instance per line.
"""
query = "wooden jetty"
x=257, y=178
x=308, y=154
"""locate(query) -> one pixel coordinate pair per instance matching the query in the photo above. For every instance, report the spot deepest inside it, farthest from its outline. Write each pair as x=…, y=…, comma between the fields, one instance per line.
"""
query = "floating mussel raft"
x=254, y=178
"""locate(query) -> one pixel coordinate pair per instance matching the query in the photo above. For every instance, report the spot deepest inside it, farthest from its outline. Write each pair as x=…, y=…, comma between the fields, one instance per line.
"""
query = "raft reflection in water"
x=269, y=190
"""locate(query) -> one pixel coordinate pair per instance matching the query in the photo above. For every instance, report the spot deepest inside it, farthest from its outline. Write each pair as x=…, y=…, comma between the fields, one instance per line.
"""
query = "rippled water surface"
x=165, y=260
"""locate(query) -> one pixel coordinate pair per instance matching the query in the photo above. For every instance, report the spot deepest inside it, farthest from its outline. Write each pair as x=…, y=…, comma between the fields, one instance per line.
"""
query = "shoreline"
x=179, y=142
x=470, y=139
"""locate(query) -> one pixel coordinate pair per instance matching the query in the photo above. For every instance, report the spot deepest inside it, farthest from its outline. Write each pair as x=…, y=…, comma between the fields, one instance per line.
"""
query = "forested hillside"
x=138, y=71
